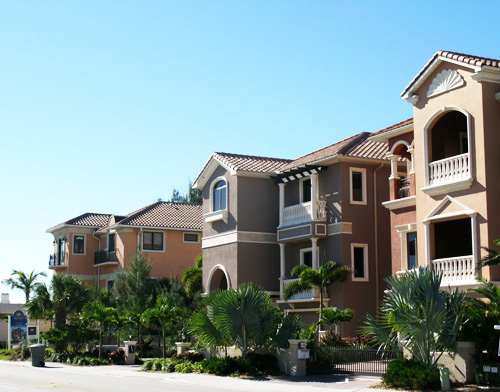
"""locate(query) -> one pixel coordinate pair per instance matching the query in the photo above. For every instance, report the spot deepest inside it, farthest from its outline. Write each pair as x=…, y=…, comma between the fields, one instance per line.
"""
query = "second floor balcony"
x=56, y=261
x=449, y=170
x=102, y=257
x=311, y=294
x=455, y=270
x=304, y=213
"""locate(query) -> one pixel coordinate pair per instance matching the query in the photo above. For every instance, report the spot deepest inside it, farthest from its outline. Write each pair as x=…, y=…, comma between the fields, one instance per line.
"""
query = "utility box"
x=38, y=355
x=302, y=353
x=130, y=351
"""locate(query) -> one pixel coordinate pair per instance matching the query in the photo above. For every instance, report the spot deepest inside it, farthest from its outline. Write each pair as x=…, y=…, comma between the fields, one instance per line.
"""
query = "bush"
x=331, y=339
x=190, y=356
x=74, y=359
x=263, y=363
x=225, y=366
x=117, y=357
x=409, y=374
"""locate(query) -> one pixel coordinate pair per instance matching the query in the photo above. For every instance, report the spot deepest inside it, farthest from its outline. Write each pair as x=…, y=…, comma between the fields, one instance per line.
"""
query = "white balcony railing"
x=302, y=213
x=449, y=169
x=455, y=269
x=306, y=294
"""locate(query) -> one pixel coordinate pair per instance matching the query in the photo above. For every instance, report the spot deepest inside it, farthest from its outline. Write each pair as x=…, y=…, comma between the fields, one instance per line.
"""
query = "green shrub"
x=225, y=366
x=263, y=363
x=184, y=367
x=409, y=374
x=190, y=356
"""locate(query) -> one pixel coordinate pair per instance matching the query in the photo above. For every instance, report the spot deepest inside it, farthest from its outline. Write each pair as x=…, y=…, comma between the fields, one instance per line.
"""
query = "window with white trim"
x=305, y=190
x=411, y=250
x=357, y=180
x=78, y=244
x=306, y=257
x=191, y=237
x=152, y=241
x=359, y=262
x=219, y=196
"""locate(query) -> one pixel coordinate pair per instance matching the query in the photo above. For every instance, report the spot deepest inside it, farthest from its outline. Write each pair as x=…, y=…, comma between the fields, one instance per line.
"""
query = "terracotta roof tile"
x=167, y=214
x=463, y=58
x=368, y=149
x=88, y=219
x=395, y=126
x=250, y=163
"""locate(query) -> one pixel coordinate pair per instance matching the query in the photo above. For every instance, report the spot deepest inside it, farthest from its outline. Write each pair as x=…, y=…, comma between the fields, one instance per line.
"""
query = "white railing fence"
x=449, y=169
x=302, y=213
x=456, y=269
x=306, y=294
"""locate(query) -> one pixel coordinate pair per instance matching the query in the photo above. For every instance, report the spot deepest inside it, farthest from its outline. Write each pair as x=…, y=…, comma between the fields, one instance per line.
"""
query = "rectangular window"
x=191, y=237
x=78, y=244
x=152, y=240
x=411, y=249
x=305, y=190
x=358, y=185
x=111, y=242
x=110, y=284
x=307, y=258
x=359, y=260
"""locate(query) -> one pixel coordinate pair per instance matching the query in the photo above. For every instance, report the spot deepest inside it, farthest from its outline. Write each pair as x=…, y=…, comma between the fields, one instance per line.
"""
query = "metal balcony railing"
x=403, y=188
x=102, y=256
x=55, y=261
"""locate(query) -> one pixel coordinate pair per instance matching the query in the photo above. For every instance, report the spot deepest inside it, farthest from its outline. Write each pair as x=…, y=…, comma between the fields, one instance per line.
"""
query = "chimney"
x=5, y=298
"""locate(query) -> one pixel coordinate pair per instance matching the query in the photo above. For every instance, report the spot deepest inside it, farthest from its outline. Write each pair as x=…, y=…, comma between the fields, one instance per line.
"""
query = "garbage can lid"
x=37, y=345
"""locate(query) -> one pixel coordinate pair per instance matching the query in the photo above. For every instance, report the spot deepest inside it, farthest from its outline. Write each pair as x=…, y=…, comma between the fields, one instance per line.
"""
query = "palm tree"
x=24, y=282
x=493, y=257
x=417, y=314
x=161, y=315
x=193, y=278
x=244, y=317
x=119, y=322
x=333, y=316
x=137, y=320
x=101, y=315
x=67, y=295
x=327, y=274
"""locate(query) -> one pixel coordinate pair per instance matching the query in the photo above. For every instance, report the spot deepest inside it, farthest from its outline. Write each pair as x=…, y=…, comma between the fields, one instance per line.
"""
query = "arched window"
x=219, y=196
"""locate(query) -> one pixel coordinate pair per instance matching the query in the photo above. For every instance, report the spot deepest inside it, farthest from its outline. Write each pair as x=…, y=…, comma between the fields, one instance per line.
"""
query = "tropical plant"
x=23, y=281
x=119, y=322
x=71, y=337
x=493, y=257
x=418, y=315
x=244, y=317
x=333, y=317
x=137, y=321
x=308, y=278
x=482, y=316
x=67, y=295
x=160, y=315
x=101, y=315
x=193, y=278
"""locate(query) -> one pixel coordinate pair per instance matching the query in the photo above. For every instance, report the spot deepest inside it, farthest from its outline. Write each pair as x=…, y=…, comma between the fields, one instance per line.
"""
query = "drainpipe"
x=98, y=268
x=139, y=240
x=376, y=227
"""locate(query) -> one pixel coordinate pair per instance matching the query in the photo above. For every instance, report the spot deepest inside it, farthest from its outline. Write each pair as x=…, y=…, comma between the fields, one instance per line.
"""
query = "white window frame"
x=214, y=216
x=84, y=245
x=301, y=189
x=190, y=242
x=154, y=250
x=365, y=278
x=305, y=250
x=363, y=185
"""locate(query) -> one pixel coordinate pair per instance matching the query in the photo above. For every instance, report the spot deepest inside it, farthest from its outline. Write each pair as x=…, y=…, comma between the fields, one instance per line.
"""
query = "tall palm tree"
x=24, y=282
x=161, y=315
x=333, y=317
x=66, y=295
x=308, y=278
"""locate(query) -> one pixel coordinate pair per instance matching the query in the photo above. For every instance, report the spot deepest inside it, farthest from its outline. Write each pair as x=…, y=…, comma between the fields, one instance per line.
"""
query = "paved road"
x=21, y=376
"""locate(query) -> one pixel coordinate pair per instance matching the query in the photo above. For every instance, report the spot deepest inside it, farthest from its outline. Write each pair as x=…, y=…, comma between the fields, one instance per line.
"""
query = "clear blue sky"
x=106, y=106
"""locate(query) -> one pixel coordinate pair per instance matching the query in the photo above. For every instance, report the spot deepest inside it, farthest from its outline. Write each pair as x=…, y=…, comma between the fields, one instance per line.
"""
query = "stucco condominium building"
x=444, y=204
x=93, y=246
x=421, y=192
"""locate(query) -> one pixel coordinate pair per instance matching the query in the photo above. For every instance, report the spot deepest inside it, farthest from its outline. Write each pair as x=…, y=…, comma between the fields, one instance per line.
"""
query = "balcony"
x=303, y=213
x=403, y=188
x=456, y=270
x=104, y=257
x=303, y=295
x=449, y=170
x=55, y=261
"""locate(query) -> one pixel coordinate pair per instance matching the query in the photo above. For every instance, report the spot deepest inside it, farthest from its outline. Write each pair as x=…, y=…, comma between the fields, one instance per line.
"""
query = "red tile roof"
x=467, y=59
x=249, y=163
x=395, y=126
x=88, y=219
x=168, y=215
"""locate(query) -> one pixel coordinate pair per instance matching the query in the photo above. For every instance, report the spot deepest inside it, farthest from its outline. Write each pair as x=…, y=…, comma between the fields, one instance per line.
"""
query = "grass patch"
x=8, y=355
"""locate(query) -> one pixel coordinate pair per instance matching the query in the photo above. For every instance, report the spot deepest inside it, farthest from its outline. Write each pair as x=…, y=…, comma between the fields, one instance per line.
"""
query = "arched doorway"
x=218, y=279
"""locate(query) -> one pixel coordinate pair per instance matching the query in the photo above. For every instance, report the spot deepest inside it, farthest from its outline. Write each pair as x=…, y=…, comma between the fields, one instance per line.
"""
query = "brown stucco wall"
x=259, y=263
x=225, y=255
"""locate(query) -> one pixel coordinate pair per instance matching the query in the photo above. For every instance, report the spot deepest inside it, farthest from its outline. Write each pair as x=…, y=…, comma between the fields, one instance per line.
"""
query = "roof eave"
x=208, y=170
x=153, y=227
x=385, y=136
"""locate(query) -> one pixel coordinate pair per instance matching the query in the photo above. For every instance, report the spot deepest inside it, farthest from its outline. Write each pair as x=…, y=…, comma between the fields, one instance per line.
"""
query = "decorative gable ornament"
x=444, y=81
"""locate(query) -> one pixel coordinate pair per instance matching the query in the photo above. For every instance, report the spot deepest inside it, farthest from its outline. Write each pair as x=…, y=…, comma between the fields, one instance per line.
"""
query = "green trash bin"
x=37, y=355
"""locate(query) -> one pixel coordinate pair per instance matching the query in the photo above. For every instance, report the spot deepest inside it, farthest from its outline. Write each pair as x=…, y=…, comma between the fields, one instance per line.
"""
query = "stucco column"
x=393, y=178
x=281, y=187
x=315, y=263
x=282, y=269
x=427, y=244
x=411, y=150
x=314, y=196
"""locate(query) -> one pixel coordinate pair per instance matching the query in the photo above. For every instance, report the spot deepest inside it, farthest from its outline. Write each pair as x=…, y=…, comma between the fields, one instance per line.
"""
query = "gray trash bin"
x=37, y=354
